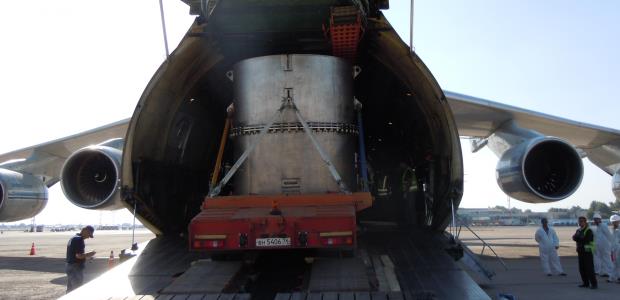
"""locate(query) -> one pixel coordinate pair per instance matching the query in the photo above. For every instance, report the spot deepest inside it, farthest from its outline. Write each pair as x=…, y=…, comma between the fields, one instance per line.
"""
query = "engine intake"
x=90, y=178
x=22, y=196
x=540, y=170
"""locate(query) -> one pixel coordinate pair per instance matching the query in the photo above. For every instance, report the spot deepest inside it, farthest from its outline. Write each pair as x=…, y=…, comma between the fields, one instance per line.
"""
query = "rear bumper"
x=277, y=222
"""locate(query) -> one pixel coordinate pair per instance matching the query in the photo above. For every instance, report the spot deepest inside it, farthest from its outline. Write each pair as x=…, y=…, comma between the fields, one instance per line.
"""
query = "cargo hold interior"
x=175, y=133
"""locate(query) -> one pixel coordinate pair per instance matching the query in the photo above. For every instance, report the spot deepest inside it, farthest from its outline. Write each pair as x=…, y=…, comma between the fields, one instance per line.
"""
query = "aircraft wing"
x=480, y=118
x=46, y=159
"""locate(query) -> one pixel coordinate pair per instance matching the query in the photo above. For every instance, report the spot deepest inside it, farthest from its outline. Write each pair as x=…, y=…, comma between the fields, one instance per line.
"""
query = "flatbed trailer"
x=235, y=223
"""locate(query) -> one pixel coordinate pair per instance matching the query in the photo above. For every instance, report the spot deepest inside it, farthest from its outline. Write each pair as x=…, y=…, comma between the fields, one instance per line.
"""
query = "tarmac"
x=42, y=276
x=523, y=278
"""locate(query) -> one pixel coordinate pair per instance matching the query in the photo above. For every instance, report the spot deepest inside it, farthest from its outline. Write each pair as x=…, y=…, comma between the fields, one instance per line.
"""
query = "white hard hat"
x=596, y=215
x=614, y=218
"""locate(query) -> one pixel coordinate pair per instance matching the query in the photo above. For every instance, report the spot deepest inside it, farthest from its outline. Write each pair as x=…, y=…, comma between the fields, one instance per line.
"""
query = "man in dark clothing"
x=76, y=258
x=585, y=247
x=409, y=188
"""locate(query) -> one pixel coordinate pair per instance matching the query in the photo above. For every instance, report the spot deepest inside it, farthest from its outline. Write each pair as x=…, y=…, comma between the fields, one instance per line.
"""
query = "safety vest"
x=409, y=181
x=589, y=247
x=382, y=190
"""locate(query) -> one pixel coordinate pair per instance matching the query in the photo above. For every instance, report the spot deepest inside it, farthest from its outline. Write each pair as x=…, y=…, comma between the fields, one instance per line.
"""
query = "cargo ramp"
x=389, y=265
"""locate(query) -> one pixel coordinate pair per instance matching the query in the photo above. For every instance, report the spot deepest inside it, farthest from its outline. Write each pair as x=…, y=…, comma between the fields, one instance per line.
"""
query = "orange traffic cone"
x=111, y=261
x=33, y=251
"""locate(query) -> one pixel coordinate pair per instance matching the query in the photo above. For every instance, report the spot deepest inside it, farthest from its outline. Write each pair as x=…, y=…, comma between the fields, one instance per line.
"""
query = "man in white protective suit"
x=548, y=244
x=602, y=247
x=615, y=249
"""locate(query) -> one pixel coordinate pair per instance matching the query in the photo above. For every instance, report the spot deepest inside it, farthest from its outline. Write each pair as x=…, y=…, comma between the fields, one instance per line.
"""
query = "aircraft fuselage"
x=174, y=135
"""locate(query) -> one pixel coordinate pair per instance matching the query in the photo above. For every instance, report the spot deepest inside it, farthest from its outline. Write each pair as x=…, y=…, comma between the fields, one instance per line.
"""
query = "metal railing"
x=484, y=244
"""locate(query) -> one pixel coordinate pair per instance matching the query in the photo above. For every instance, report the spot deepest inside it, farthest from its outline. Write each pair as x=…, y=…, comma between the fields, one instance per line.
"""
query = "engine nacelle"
x=540, y=170
x=22, y=196
x=90, y=178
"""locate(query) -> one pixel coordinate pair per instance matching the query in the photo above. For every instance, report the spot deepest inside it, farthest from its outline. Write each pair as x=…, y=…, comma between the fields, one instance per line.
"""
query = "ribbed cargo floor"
x=387, y=266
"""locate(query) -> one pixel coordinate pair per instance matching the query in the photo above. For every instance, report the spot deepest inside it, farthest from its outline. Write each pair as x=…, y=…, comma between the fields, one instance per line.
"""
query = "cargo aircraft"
x=300, y=125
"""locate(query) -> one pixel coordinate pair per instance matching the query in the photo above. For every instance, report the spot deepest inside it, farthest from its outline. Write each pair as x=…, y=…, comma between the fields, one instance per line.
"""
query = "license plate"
x=273, y=242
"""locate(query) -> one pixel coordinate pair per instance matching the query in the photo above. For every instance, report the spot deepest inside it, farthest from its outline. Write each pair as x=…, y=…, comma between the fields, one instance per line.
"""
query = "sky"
x=69, y=66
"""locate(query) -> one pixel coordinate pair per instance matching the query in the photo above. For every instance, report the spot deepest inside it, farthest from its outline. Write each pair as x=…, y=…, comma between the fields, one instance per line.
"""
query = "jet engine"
x=90, y=178
x=22, y=196
x=540, y=170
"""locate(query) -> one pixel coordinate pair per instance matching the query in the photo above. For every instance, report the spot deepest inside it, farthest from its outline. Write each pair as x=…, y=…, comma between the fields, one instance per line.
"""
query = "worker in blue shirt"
x=76, y=258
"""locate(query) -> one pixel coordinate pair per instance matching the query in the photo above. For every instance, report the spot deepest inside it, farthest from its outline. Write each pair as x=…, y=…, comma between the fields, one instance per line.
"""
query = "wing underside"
x=480, y=118
x=46, y=159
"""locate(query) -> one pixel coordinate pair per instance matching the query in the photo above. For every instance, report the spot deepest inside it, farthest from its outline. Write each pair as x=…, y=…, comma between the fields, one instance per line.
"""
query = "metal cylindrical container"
x=285, y=161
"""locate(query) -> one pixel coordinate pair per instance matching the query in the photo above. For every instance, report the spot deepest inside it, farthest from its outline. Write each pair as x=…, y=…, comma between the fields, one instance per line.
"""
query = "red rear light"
x=214, y=244
x=209, y=241
x=337, y=240
x=208, y=244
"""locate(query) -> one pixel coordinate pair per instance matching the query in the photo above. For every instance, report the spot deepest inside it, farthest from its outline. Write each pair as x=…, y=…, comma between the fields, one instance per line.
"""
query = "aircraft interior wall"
x=397, y=138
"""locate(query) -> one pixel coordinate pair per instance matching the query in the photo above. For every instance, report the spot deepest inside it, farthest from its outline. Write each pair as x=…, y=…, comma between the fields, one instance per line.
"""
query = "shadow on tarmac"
x=33, y=263
x=48, y=264
x=62, y=280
